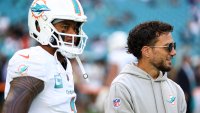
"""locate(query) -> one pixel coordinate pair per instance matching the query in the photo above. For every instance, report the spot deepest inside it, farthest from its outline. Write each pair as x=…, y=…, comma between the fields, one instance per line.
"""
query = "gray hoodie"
x=134, y=91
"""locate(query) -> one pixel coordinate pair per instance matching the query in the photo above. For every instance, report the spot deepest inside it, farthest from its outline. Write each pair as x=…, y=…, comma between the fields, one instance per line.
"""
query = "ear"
x=146, y=51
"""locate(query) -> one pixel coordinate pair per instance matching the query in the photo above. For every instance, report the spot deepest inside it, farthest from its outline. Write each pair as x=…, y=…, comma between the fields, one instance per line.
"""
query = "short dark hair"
x=146, y=34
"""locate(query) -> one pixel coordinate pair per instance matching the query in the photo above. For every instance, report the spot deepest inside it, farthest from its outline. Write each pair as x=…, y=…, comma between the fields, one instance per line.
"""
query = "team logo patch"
x=58, y=81
x=22, y=70
x=116, y=102
x=38, y=8
x=171, y=99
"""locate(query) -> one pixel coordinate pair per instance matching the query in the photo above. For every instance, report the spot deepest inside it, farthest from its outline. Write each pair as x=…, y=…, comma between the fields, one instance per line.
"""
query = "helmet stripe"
x=76, y=7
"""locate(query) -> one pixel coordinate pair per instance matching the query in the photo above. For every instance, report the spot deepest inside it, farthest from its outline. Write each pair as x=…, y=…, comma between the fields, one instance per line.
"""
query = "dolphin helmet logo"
x=38, y=8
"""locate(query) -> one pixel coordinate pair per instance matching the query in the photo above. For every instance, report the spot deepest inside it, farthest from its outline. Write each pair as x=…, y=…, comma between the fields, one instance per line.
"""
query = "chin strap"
x=85, y=75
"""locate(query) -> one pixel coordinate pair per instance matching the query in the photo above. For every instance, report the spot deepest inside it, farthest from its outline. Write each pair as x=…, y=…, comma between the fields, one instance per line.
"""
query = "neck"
x=49, y=49
x=148, y=68
x=52, y=51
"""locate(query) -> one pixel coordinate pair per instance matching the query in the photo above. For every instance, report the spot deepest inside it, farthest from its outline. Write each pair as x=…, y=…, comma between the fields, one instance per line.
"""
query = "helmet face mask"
x=42, y=15
x=68, y=42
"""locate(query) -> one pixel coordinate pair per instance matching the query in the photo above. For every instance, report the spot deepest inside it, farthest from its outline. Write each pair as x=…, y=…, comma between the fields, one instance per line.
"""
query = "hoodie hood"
x=132, y=69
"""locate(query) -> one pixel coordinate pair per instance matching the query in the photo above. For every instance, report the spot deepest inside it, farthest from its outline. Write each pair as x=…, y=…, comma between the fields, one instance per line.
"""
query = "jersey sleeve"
x=118, y=100
x=23, y=64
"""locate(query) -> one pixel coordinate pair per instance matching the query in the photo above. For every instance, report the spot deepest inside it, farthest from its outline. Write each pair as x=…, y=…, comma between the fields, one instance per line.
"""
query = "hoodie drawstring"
x=154, y=96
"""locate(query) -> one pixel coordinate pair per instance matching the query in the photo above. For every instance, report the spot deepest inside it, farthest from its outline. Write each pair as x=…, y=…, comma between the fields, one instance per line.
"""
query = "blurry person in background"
x=117, y=58
x=4, y=26
x=117, y=47
x=197, y=73
x=11, y=42
x=2, y=80
x=39, y=79
x=144, y=87
x=94, y=62
x=186, y=79
x=5, y=23
x=196, y=92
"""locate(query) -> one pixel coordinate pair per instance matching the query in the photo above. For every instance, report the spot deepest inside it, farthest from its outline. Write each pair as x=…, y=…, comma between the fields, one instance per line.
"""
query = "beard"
x=162, y=66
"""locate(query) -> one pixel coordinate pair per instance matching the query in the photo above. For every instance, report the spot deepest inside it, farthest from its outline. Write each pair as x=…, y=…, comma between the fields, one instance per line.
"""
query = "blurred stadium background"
x=104, y=18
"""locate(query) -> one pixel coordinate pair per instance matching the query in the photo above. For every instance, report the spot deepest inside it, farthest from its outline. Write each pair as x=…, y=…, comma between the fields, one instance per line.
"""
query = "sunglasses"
x=169, y=47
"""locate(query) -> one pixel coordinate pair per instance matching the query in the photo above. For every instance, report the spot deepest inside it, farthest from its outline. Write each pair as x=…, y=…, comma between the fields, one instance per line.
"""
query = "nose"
x=72, y=30
x=173, y=52
x=70, y=39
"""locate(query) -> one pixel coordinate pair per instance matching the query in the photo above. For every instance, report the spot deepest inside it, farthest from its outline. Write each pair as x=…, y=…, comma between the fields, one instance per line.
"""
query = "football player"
x=39, y=79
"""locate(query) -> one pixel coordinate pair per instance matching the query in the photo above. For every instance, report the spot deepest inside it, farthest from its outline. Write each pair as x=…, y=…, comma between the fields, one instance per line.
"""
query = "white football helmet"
x=41, y=15
x=117, y=40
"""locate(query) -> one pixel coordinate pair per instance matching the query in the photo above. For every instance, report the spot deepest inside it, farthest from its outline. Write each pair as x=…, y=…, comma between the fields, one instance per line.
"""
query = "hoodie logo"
x=116, y=102
x=171, y=99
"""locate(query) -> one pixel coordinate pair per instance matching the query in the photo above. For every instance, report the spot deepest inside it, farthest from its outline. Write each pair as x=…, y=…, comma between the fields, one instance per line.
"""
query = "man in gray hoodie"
x=143, y=87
